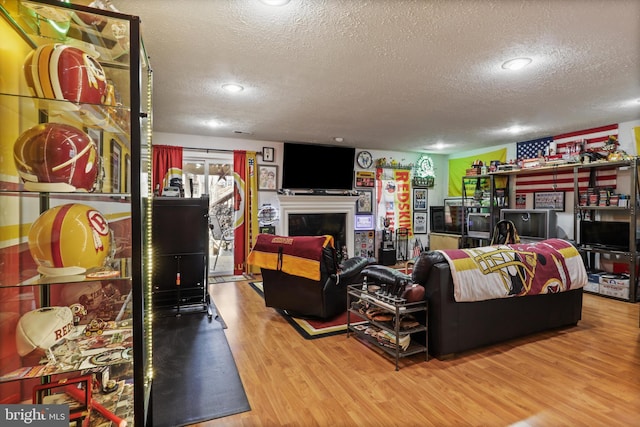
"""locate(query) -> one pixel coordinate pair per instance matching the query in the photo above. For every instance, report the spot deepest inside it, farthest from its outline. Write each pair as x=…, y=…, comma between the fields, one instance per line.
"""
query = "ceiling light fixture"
x=516, y=63
x=232, y=87
x=275, y=2
x=338, y=139
x=515, y=129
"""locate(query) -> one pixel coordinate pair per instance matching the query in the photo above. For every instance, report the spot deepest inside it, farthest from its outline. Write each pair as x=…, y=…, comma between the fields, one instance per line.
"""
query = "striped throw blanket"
x=504, y=271
x=298, y=256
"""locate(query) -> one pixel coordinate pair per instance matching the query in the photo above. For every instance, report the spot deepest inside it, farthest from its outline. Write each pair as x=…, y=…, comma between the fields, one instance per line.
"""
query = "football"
x=43, y=328
x=413, y=292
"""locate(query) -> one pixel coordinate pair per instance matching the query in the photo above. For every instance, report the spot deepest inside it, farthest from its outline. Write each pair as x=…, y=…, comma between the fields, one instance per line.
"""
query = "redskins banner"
x=393, y=194
x=167, y=167
x=240, y=174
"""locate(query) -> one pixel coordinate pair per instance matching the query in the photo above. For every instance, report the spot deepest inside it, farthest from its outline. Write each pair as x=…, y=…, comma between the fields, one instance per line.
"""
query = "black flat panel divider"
x=181, y=254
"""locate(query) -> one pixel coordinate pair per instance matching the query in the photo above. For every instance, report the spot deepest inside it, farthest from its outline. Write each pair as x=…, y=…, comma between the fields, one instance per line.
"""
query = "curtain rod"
x=208, y=150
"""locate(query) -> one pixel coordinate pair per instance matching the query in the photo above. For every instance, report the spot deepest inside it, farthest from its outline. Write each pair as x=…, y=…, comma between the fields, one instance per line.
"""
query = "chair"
x=313, y=287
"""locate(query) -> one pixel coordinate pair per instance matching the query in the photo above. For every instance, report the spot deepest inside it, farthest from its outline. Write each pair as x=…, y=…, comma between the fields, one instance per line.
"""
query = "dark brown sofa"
x=454, y=327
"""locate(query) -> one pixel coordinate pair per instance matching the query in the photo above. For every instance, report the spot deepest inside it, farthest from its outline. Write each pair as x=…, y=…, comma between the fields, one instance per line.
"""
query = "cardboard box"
x=615, y=285
x=594, y=276
x=592, y=286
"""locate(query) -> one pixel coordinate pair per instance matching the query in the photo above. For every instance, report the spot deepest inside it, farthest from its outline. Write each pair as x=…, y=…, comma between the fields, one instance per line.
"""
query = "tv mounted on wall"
x=317, y=167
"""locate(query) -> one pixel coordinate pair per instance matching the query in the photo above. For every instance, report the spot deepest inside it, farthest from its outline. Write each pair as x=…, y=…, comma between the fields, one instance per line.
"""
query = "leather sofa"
x=307, y=298
x=454, y=327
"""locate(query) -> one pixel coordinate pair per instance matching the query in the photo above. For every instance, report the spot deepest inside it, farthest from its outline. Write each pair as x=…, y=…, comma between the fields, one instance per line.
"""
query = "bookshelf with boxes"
x=605, y=228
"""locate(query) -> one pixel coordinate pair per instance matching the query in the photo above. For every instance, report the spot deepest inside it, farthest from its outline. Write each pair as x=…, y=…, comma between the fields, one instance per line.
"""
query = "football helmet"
x=58, y=71
x=56, y=157
x=69, y=239
x=87, y=294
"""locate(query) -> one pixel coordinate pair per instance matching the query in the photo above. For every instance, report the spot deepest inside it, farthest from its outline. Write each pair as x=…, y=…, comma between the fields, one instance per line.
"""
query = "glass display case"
x=75, y=121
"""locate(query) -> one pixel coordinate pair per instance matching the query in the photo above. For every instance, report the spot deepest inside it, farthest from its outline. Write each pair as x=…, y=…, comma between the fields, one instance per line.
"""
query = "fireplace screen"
x=320, y=224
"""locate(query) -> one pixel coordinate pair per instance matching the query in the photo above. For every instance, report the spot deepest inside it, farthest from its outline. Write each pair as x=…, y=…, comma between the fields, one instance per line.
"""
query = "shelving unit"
x=604, y=211
x=398, y=309
x=74, y=282
x=488, y=198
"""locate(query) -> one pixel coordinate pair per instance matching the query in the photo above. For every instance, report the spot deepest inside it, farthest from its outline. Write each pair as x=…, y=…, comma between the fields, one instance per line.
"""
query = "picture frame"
x=267, y=178
x=365, y=179
x=419, y=199
x=549, y=200
x=420, y=222
x=268, y=154
x=364, y=222
x=521, y=200
x=116, y=152
x=364, y=205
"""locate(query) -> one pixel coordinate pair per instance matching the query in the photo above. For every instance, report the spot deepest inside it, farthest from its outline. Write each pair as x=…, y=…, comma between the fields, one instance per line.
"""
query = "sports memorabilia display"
x=43, y=328
x=69, y=239
x=71, y=190
x=56, y=157
x=58, y=71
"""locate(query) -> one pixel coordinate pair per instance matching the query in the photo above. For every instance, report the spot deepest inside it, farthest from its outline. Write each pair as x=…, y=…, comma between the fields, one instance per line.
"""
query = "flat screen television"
x=605, y=234
x=317, y=167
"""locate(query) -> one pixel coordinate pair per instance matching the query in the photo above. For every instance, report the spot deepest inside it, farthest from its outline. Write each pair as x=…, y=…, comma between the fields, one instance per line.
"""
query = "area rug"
x=195, y=374
x=308, y=328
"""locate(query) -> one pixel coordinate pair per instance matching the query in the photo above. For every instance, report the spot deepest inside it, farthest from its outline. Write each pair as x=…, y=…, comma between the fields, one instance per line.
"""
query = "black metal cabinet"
x=181, y=253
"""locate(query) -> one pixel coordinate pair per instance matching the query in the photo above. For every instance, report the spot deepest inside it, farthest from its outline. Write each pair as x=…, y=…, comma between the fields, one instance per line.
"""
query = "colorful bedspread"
x=298, y=256
x=504, y=271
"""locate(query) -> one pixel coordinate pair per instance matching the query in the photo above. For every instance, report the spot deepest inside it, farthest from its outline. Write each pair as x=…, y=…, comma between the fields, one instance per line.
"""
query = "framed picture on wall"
x=420, y=199
x=364, y=205
x=267, y=154
x=420, y=222
x=549, y=200
x=267, y=178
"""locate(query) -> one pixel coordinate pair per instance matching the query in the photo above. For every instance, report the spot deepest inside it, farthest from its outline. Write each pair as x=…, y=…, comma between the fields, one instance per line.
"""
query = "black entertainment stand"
x=181, y=255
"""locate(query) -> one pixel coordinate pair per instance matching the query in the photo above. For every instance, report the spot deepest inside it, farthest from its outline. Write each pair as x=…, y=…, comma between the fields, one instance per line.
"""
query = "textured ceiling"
x=391, y=74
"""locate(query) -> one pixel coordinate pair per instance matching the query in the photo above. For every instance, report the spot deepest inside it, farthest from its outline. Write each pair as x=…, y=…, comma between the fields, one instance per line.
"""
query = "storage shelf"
x=398, y=310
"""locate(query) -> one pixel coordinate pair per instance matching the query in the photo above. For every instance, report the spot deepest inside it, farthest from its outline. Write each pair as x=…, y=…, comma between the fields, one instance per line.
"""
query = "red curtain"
x=167, y=167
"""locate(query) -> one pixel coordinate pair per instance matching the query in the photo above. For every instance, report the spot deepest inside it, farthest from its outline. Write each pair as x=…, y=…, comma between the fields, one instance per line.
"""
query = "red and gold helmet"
x=56, y=157
x=69, y=239
x=58, y=71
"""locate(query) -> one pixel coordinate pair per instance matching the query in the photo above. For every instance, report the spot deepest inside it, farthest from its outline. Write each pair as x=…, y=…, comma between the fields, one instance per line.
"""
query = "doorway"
x=212, y=174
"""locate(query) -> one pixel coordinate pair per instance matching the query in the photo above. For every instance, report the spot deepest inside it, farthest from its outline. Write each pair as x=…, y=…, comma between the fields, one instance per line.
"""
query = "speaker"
x=387, y=256
x=436, y=219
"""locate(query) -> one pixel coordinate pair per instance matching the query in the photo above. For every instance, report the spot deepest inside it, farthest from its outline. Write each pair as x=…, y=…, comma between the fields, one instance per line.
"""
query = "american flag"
x=530, y=149
x=593, y=139
x=561, y=179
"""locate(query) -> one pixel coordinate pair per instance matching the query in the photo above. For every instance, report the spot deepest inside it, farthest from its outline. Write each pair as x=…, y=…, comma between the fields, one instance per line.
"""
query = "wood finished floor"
x=588, y=375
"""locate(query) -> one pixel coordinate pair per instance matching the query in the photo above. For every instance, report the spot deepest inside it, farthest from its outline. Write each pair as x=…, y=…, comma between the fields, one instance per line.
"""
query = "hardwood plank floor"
x=588, y=375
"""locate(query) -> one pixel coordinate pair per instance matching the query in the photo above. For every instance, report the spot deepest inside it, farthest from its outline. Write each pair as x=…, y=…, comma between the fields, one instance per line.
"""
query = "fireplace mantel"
x=312, y=204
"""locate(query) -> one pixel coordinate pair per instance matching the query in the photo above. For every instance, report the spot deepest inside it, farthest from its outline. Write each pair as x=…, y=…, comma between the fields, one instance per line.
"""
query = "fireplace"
x=332, y=215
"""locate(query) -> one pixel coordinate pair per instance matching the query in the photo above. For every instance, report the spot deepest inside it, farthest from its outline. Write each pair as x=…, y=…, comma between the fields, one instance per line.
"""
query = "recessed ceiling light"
x=275, y=2
x=338, y=139
x=516, y=63
x=232, y=87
